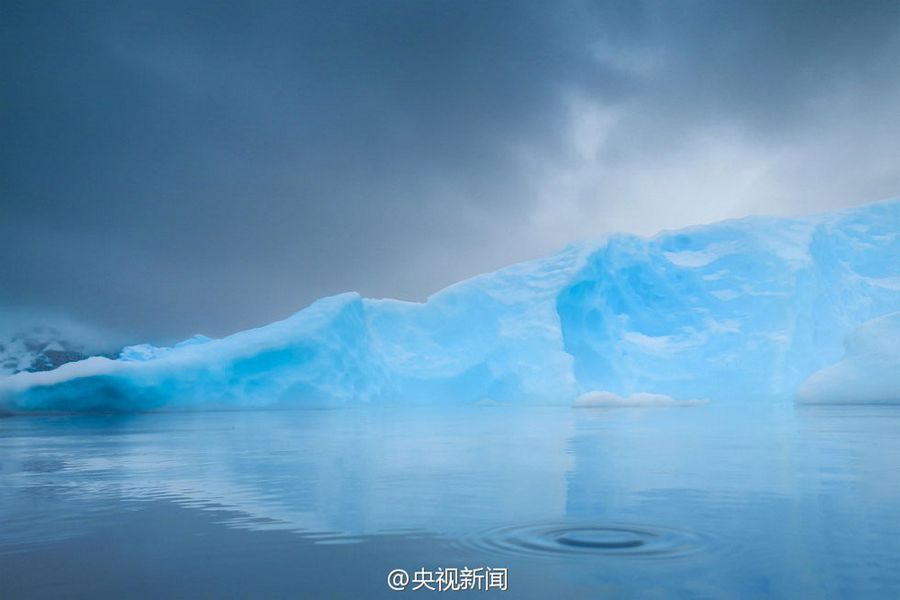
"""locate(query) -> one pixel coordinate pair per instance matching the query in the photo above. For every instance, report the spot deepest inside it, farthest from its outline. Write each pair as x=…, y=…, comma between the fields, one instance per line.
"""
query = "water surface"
x=706, y=502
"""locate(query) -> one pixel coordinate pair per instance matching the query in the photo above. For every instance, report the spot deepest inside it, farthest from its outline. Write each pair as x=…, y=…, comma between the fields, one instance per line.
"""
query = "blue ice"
x=743, y=310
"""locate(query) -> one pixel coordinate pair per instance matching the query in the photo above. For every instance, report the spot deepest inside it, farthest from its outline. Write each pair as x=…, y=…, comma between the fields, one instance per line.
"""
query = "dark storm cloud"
x=179, y=167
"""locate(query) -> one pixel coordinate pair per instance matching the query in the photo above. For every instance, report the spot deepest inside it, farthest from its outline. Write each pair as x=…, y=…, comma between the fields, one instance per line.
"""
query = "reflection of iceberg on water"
x=742, y=309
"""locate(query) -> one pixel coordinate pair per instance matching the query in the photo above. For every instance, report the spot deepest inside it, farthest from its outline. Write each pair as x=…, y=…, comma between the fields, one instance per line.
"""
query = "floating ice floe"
x=869, y=373
x=600, y=399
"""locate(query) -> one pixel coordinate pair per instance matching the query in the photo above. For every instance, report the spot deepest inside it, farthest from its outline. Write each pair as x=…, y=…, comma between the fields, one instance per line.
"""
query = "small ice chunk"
x=869, y=372
x=609, y=399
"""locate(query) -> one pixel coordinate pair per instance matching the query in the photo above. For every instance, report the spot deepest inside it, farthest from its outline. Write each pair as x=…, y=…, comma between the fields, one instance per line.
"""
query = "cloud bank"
x=181, y=167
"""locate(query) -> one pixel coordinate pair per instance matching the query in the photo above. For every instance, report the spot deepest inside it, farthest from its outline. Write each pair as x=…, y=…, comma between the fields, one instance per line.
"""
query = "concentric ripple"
x=588, y=539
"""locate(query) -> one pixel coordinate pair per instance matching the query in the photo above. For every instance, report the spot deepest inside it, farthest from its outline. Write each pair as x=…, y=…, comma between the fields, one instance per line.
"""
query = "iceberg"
x=148, y=351
x=740, y=311
x=869, y=372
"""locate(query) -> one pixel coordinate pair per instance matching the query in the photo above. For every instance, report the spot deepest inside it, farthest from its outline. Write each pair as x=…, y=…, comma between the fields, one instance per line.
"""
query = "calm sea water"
x=704, y=502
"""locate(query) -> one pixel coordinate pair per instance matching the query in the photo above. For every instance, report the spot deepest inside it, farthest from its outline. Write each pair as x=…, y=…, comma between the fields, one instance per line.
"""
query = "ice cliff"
x=743, y=310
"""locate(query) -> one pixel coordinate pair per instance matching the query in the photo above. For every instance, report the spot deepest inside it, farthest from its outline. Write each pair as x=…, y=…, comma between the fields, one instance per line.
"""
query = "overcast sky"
x=179, y=167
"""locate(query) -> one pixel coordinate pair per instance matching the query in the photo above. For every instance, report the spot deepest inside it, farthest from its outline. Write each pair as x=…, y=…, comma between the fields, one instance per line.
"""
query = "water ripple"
x=588, y=539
